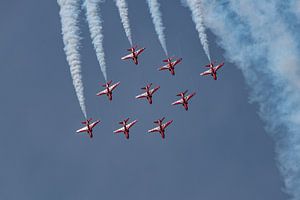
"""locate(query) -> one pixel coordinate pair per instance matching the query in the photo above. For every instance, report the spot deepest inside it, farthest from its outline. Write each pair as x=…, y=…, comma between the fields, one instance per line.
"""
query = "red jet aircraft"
x=108, y=89
x=184, y=100
x=149, y=93
x=134, y=54
x=212, y=70
x=161, y=127
x=88, y=127
x=170, y=65
x=126, y=127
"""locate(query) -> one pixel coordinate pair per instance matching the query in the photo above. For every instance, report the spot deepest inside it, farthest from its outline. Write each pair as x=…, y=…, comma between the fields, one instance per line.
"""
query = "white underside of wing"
x=111, y=88
x=128, y=126
x=180, y=101
x=119, y=130
x=165, y=67
x=156, y=129
x=144, y=95
x=207, y=72
x=127, y=57
x=102, y=92
x=84, y=129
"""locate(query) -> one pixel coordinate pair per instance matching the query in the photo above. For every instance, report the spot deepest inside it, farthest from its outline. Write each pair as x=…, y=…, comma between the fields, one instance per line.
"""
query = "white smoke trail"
x=69, y=12
x=196, y=8
x=95, y=25
x=158, y=24
x=257, y=38
x=123, y=11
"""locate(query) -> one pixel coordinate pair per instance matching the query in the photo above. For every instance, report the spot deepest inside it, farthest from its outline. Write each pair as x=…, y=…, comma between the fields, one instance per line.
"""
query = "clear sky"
x=217, y=150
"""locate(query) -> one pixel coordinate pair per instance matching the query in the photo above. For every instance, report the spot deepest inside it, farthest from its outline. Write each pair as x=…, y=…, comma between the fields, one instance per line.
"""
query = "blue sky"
x=217, y=150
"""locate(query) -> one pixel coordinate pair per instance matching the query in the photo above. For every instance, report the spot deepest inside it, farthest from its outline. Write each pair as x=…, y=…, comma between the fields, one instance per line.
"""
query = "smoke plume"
x=158, y=24
x=95, y=26
x=123, y=11
x=257, y=37
x=69, y=12
x=196, y=8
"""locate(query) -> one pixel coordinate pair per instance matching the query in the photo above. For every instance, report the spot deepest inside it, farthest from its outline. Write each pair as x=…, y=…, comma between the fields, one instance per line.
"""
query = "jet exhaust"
x=94, y=20
x=257, y=37
x=69, y=12
x=158, y=24
x=196, y=8
x=123, y=11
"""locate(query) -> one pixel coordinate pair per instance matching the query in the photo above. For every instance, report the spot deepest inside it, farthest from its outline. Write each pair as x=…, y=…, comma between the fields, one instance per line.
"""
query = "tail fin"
x=126, y=120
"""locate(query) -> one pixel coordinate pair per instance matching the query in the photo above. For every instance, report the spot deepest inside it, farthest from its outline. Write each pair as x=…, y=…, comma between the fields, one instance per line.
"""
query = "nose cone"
x=186, y=107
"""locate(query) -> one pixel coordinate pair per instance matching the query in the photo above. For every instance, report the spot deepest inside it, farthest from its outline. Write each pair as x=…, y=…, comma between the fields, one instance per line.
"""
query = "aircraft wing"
x=156, y=129
x=190, y=96
x=144, y=95
x=131, y=124
x=176, y=62
x=177, y=102
x=219, y=66
x=120, y=130
x=154, y=89
x=138, y=52
x=111, y=88
x=84, y=129
x=165, y=125
x=92, y=125
x=129, y=56
x=165, y=67
x=102, y=92
x=207, y=72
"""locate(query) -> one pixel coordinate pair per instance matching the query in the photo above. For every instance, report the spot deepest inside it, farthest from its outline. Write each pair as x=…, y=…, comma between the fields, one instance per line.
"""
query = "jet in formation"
x=148, y=93
x=133, y=54
x=88, y=128
x=108, y=89
x=170, y=65
x=125, y=127
x=212, y=70
x=161, y=127
x=184, y=100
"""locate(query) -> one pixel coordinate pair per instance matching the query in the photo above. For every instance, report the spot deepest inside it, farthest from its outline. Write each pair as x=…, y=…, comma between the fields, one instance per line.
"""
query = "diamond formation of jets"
x=170, y=65
x=148, y=93
x=184, y=100
x=133, y=54
x=125, y=127
x=88, y=128
x=161, y=127
x=212, y=70
x=108, y=89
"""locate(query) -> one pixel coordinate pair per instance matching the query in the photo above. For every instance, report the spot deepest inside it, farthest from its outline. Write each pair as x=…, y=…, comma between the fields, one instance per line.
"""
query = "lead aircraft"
x=184, y=100
x=108, y=89
x=126, y=127
x=133, y=54
x=161, y=127
x=149, y=93
x=88, y=127
x=170, y=65
x=212, y=70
